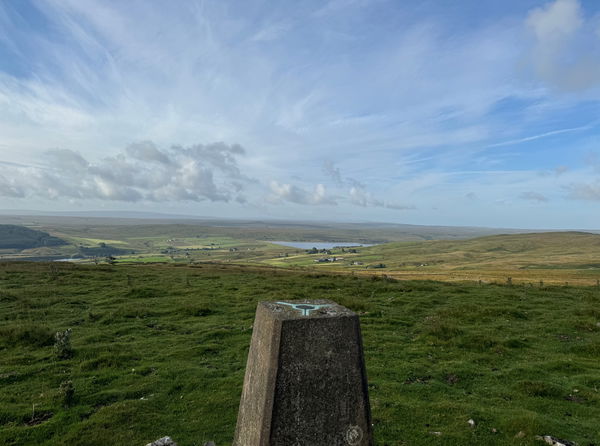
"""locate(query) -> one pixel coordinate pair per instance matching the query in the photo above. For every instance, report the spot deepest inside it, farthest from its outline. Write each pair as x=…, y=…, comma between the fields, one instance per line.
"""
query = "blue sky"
x=468, y=112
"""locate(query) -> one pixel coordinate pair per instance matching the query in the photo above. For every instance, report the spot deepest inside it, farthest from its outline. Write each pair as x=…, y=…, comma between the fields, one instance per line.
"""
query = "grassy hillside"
x=19, y=238
x=550, y=257
x=543, y=250
x=554, y=257
x=253, y=229
x=161, y=350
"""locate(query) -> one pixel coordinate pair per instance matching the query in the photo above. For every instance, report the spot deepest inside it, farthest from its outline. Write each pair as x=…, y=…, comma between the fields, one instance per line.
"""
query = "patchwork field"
x=553, y=257
x=160, y=350
x=401, y=252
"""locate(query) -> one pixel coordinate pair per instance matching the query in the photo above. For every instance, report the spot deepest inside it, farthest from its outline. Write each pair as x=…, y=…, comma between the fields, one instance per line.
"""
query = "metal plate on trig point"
x=306, y=308
x=293, y=309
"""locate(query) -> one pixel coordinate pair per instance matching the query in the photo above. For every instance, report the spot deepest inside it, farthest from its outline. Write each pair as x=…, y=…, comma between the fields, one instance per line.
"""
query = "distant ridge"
x=500, y=252
x=100, y=214
x=20, y=237
x=378, y=232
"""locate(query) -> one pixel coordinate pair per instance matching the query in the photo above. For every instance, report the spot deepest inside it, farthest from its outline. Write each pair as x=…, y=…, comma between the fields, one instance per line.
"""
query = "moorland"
x=494, y=326
x=160, y=350
x=399, y=251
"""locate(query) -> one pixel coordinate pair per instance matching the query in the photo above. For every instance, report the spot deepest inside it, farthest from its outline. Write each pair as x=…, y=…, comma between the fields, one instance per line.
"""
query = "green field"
x=419, y=253
x=552, y=257
x=161, y=349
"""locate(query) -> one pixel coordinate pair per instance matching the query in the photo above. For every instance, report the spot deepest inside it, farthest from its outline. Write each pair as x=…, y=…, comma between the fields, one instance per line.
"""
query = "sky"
x=470, y=112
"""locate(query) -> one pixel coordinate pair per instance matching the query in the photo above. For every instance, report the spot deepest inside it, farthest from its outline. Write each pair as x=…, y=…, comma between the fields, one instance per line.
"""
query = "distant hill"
x=102, y=251
x=550, y=257
x=579, y=250
x=20, y=237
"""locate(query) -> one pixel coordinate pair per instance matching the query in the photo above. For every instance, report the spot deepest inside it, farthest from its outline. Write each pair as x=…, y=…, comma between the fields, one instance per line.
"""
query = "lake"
x=320, y=245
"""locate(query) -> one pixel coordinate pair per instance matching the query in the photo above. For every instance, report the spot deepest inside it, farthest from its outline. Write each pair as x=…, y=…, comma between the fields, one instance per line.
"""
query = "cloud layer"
x=431, y=113
x=567, y=47
x=142, y=172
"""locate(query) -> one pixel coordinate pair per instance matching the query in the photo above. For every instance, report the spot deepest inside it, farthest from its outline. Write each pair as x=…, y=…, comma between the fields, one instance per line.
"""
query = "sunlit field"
x=161, y=349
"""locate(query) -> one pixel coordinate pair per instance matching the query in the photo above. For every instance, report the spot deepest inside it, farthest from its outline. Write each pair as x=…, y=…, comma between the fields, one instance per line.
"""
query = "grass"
x=554, y=258
x=161, y=349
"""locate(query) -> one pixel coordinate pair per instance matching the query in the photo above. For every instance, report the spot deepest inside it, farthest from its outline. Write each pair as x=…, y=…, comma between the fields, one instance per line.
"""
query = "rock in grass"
x=471, y=422
x=555, y=441
x=164, y=441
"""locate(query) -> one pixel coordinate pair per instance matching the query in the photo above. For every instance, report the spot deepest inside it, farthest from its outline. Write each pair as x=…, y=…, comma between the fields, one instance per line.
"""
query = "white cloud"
x=567, y=50
x=540, y=136
x=147, y=152
x=556, y=20
x=584, y=191
x=333, y=172
x=67, y=159
x=533, y=196
x=142, y=172
x=360, y=197
x=281, y=192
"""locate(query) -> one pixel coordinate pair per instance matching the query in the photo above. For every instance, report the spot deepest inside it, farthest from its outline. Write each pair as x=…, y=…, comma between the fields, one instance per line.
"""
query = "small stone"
x=437, y=434
x=164, y=441
x=494, y=430
x=520, y=434
x=452, y=379
x=471, y=422
x=549, y=439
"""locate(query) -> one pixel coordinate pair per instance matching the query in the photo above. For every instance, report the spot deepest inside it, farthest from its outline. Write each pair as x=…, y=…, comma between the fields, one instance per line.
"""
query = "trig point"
x=305, y=381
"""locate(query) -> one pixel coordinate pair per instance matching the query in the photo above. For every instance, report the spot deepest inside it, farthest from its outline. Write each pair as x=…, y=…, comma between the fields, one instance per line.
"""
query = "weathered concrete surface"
x=305, y=381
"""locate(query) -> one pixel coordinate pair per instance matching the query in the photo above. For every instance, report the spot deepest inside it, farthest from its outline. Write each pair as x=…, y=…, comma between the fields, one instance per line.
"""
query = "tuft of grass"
x=143, y=293
x=438, y=328
x=28, y=334
x=355, y=304
x=540, y=389
x=196, y=310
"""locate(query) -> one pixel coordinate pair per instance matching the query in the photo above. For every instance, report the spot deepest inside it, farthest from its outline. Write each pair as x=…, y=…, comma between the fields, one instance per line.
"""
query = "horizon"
x=158, y=216
x=476, y=114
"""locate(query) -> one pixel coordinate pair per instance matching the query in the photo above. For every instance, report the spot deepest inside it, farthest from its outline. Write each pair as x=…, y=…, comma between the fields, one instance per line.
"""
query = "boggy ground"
x=161, y=350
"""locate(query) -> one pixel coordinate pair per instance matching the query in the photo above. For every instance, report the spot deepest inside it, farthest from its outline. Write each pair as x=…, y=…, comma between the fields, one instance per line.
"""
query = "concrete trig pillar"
x=305, y=382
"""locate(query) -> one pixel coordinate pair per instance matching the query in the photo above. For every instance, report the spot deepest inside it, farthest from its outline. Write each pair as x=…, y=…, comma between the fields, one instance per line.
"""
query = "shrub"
x=66, y=392
x=62, y=344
